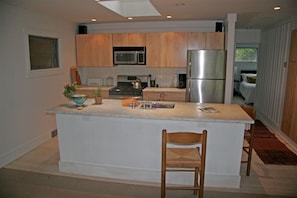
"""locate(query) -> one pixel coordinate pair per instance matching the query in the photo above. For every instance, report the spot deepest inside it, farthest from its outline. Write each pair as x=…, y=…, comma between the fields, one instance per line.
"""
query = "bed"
x=247, y=85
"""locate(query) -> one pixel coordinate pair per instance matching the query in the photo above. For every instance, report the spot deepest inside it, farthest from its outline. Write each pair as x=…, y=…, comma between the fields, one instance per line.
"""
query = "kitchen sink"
x=163, y=105
x=154, y=105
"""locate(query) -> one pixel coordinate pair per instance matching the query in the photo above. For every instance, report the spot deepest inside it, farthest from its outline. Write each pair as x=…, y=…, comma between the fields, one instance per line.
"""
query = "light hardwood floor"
x=264, y=179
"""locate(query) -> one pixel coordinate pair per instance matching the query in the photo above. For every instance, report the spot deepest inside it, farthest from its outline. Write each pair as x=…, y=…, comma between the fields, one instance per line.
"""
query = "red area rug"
x=270, y=149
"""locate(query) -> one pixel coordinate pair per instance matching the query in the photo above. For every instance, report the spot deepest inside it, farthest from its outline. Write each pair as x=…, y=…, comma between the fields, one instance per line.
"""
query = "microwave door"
x=125, y=57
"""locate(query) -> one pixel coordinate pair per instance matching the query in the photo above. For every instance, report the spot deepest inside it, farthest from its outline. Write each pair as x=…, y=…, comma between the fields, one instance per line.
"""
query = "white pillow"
x=244, y=76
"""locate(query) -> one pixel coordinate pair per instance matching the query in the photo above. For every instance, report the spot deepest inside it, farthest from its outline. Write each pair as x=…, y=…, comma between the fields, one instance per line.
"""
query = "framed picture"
x=42, y=53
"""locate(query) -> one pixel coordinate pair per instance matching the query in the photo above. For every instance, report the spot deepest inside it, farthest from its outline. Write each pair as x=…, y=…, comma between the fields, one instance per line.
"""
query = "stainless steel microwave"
x=129, y=55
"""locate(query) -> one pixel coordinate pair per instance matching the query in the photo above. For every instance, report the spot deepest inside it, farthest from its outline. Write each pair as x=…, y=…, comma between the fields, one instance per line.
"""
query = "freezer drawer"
x=206, y=91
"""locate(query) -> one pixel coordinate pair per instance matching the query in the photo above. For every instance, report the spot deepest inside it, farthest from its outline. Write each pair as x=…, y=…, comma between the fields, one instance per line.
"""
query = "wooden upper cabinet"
x=206, y=40
x=128, y=39
x=177, y=46
x=196, y=40
x=155, y=53
x=166, y=49
x=215, y=40
x=94, y=50
x=163, y=49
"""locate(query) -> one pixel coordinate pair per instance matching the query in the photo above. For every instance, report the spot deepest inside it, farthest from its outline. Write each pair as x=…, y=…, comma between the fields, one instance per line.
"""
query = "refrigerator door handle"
x=189, y=67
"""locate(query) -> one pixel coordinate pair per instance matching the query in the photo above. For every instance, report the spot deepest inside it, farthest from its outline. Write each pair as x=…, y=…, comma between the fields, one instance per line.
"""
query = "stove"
x=124, y=88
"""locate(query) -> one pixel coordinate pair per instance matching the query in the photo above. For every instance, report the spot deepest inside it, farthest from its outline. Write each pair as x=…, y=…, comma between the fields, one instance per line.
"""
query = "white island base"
x=118, y=146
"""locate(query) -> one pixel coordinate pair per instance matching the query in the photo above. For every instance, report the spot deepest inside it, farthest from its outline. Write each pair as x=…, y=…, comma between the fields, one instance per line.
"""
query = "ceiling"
x=251, y=13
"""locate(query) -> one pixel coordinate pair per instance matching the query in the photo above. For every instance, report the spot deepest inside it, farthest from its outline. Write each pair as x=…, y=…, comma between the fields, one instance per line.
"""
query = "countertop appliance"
x=125, y=88
x=129, y=55
x=206, y=76
x=182, y=80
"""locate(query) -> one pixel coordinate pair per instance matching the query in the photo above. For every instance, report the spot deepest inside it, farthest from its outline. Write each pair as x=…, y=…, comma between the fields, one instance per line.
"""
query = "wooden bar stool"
x=249, y=136
x=185, y=156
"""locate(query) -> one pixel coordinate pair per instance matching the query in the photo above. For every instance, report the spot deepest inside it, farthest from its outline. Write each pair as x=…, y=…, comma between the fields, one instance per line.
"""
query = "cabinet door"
x=176, y=49
x=153, y=96
x=128, y=39
x=94, y=50
x=196, y=40
x=215, y=40
x=293, y=47
x=166, y=49
x=289, y=118
x=175, y=97
x=155, y=52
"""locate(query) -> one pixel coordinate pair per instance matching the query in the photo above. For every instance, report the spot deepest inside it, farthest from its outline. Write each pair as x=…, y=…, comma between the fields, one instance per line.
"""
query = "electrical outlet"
x=54, y=133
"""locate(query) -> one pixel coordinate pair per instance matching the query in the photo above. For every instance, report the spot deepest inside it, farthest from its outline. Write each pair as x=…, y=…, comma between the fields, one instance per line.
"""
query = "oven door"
x=125, y=57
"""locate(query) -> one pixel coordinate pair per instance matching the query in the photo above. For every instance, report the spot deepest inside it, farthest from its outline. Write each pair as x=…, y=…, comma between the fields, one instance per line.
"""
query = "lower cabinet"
x=89, y=91
x=179, y=96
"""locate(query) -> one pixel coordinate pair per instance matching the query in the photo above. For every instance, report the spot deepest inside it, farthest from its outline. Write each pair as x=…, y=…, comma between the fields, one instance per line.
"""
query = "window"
x=43, y=52
x=246, y=54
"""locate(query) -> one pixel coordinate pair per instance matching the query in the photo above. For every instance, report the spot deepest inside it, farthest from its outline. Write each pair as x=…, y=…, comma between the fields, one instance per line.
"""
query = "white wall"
x=23, y=101
x=272, y=73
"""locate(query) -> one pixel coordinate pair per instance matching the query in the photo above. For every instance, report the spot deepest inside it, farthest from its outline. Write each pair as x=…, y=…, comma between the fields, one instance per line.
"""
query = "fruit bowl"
x=79, y=99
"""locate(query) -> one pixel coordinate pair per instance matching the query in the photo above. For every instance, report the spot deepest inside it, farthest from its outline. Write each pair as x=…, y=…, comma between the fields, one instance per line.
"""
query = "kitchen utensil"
x=136, y=84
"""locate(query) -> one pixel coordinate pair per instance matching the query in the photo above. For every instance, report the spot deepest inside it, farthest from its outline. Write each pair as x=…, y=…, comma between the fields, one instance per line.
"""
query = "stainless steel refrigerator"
x=206, y=71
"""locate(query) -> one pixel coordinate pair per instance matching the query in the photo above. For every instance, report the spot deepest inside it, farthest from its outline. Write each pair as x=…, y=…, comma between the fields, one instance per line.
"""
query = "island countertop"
x=181, y=111
x=117, y=142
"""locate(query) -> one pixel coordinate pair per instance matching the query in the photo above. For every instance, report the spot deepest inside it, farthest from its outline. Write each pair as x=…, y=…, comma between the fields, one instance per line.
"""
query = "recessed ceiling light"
x=168, y=16
x=276, y=8
x=94, y=20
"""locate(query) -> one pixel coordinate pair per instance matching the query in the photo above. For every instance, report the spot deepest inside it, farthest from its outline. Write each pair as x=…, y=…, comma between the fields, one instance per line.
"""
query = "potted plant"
x=98, y=95
x=69, y=90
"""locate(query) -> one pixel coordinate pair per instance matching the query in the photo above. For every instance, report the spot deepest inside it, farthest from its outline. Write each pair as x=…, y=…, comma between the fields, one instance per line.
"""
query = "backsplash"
x=165, y=77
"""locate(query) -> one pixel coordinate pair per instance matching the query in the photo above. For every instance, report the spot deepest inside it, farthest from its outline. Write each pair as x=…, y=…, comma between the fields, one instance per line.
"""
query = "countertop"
x=161, y=89
x=181, y=111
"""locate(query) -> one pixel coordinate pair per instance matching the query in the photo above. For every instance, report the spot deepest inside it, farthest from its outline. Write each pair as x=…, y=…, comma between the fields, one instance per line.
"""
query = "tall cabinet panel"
x=289, y=119
x=176, y=46
x=166, y=49
x=155, y=53
x=94, y=50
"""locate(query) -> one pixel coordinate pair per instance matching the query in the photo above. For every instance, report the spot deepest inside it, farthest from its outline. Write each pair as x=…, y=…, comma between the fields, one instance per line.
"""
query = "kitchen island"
x=117, y=142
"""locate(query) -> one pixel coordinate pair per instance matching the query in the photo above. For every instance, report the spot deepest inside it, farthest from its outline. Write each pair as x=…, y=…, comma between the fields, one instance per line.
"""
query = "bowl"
x=79, y=99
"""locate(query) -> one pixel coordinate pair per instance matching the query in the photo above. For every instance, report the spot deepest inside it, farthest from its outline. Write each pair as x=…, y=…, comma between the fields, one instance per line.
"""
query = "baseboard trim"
x=140, y=175
x=20, y=150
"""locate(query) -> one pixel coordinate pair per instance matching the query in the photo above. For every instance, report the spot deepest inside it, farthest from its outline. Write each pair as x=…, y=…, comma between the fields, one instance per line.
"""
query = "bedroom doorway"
x=245, y=73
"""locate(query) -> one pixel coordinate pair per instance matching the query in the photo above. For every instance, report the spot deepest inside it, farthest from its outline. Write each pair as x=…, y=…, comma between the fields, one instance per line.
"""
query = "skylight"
x=130, y=8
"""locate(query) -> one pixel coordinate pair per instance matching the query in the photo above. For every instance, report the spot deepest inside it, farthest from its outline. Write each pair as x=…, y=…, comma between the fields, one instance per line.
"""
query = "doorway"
x=245, y=73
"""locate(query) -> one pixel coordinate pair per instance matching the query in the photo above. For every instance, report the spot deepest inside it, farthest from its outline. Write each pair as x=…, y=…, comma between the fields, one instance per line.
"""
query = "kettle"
x=136, y=84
